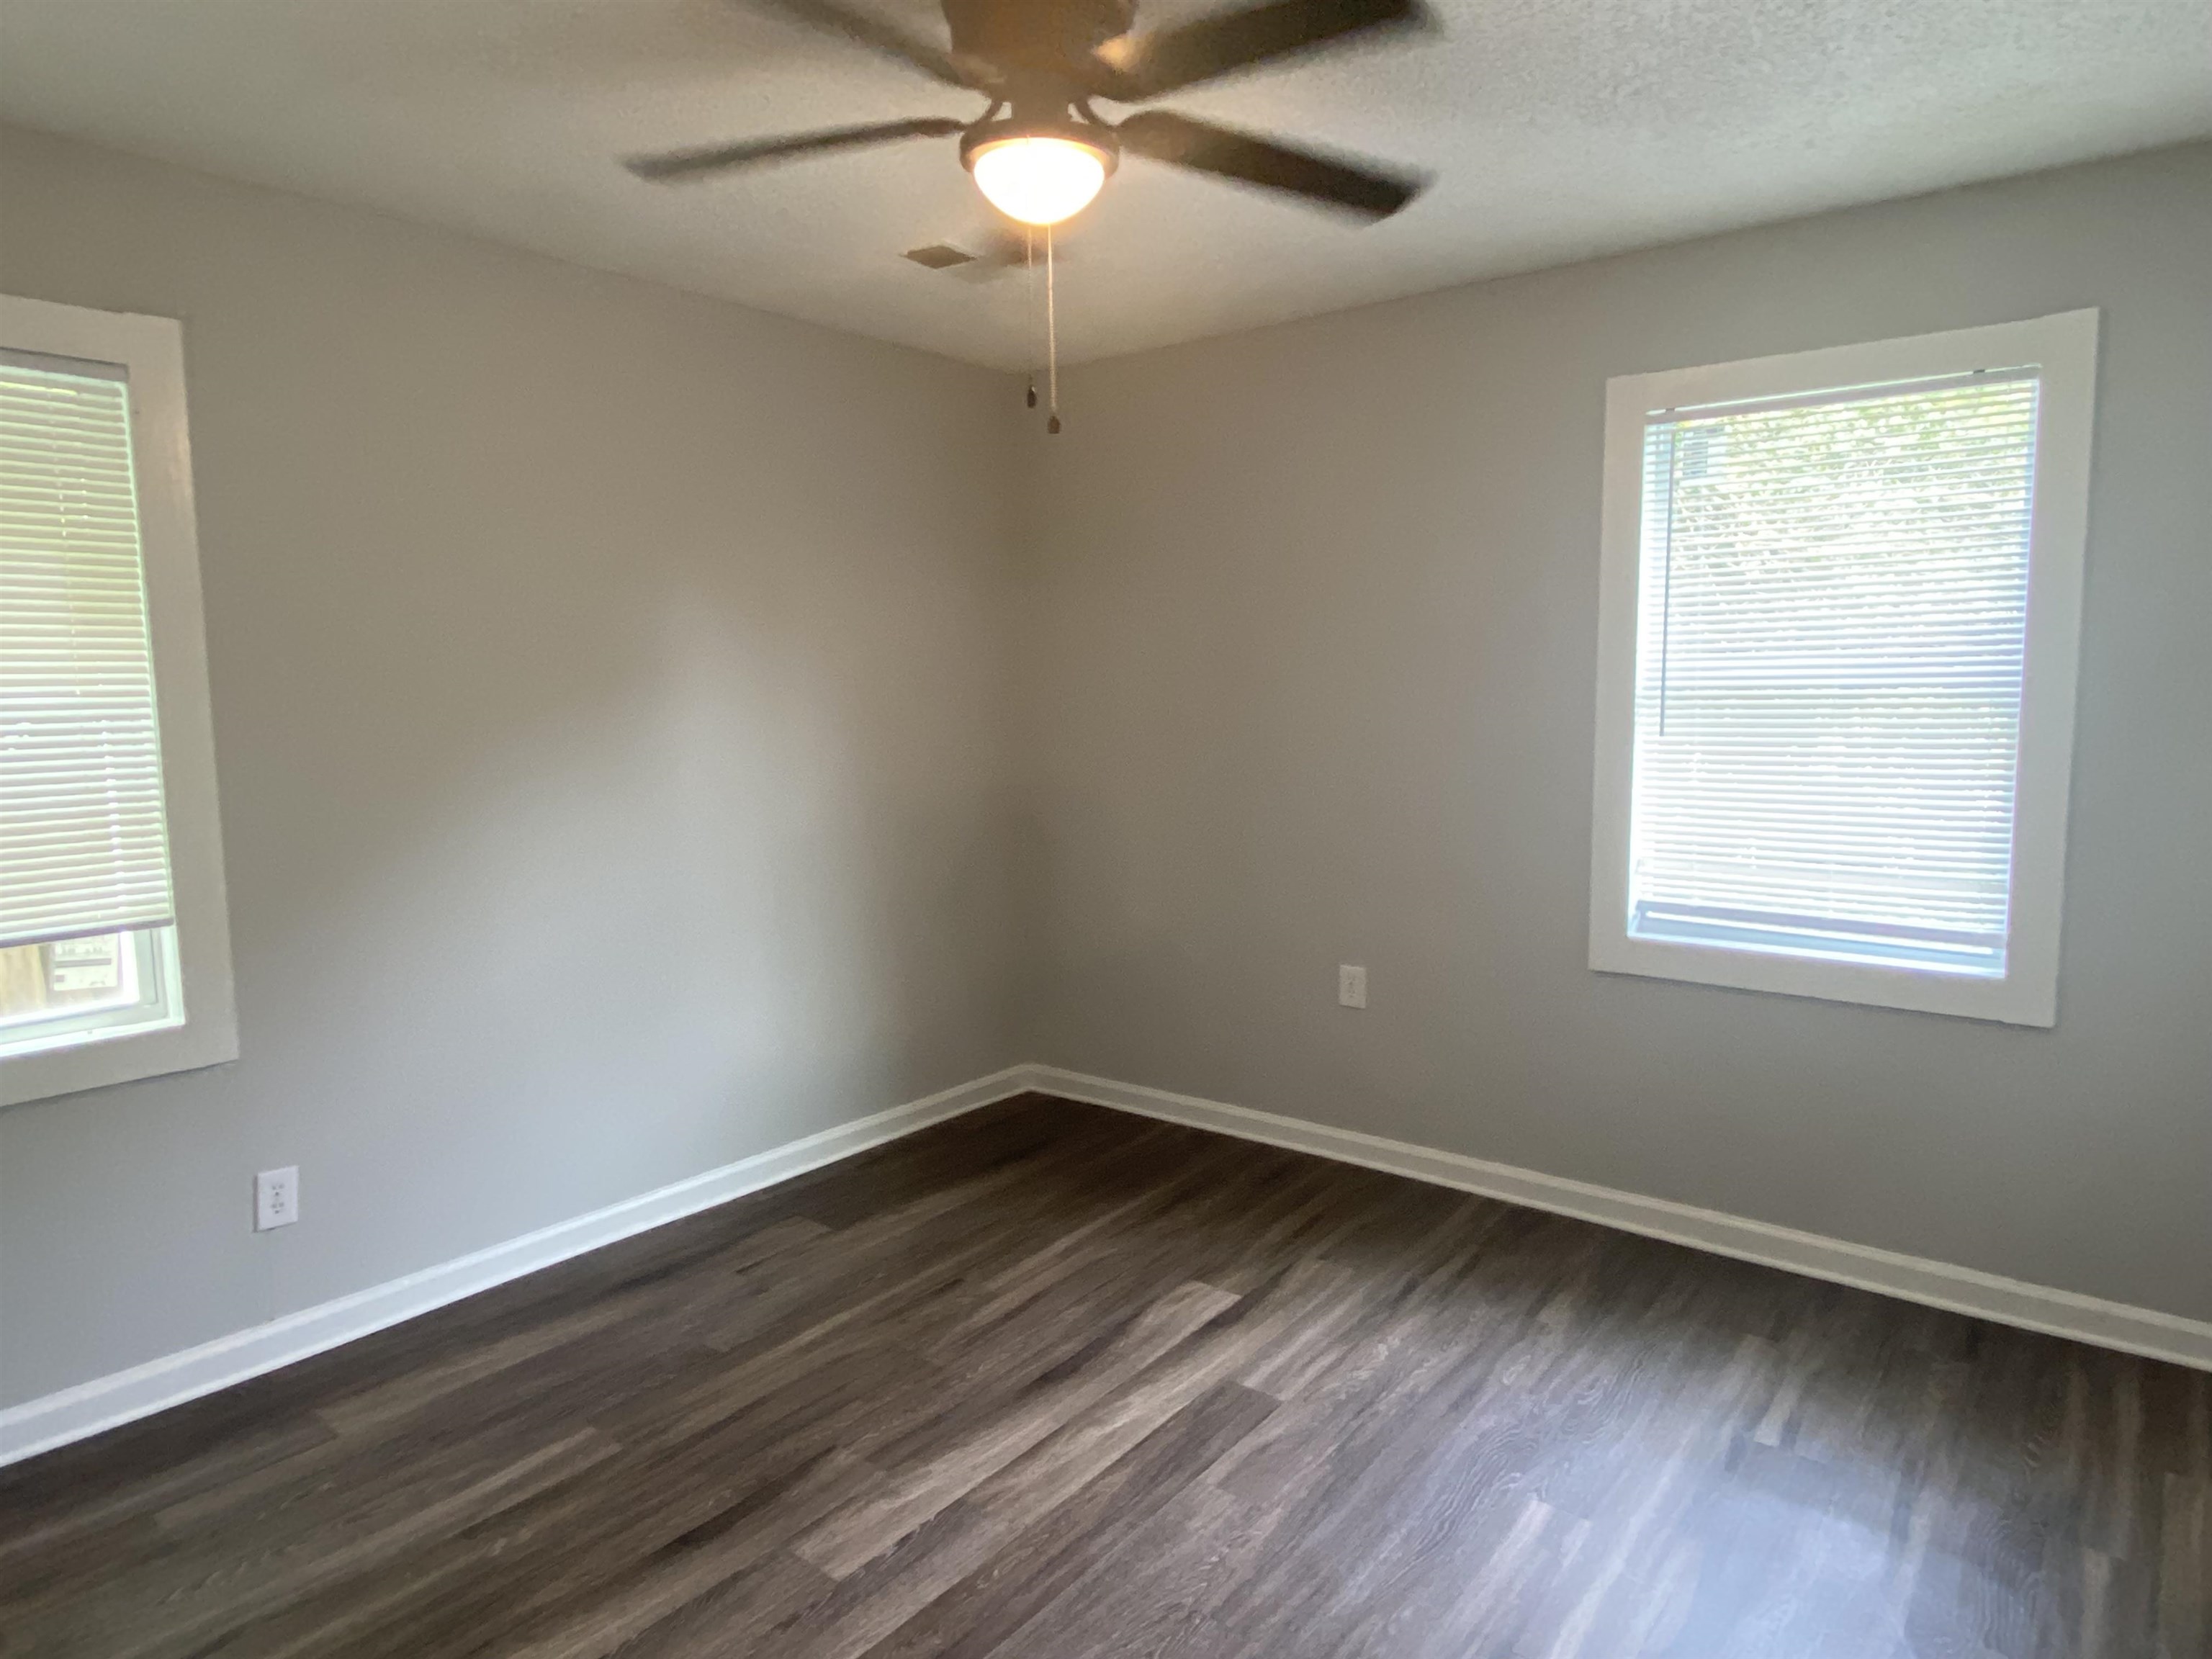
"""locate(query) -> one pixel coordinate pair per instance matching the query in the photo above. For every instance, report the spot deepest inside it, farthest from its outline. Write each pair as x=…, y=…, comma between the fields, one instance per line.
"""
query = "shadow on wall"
x=612, y=768
x=599, y=888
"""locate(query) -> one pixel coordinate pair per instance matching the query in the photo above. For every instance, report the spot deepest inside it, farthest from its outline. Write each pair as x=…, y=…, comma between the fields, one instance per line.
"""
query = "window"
x=1839, y=607
x=114, y=946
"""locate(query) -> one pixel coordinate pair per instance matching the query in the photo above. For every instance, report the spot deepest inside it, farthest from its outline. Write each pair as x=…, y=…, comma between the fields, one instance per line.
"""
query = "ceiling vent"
x=939, y=256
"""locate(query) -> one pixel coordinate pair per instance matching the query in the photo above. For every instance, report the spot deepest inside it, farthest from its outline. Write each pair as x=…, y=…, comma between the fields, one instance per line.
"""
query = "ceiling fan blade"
x=1139, y=66
x=711, y=158
x=933, y=61
x=1367, y=190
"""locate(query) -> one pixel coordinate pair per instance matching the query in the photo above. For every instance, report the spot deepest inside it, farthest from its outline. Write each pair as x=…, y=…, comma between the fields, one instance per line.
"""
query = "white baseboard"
x=106, y=1402
x=55, y=1419
x=1937, y=1283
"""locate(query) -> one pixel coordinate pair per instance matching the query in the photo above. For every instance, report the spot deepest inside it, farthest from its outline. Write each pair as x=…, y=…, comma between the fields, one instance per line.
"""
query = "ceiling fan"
x=1040, y=153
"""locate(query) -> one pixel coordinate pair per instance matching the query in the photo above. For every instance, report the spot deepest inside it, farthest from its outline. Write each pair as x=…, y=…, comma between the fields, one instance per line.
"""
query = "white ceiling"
x=1557, y=129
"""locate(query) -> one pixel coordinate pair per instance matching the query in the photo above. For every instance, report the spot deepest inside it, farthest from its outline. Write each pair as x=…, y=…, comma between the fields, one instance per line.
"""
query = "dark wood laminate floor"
x=1052, y=1382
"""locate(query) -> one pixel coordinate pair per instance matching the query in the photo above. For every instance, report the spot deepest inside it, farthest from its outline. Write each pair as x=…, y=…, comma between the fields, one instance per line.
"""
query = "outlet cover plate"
x=276, y=1198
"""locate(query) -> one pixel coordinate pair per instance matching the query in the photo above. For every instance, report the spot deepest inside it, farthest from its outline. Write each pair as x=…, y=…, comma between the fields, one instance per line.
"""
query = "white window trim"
x=152, y=349
x=2064, y=346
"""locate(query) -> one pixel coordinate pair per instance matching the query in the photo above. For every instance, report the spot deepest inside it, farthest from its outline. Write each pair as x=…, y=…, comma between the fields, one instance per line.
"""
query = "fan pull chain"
x=1029, y=271
x=1051, y=341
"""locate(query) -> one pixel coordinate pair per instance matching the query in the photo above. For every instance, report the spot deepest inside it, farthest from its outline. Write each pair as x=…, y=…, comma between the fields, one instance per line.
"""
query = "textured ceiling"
x=1557, y=129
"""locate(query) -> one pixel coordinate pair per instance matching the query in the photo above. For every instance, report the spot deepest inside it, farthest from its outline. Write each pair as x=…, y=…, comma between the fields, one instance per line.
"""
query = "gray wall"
x=649, y=731
x=1309, y=639
x=609, y=700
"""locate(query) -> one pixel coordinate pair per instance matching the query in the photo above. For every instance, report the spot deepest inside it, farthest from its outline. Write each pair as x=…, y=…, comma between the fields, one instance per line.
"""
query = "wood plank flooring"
x=1054, y=1383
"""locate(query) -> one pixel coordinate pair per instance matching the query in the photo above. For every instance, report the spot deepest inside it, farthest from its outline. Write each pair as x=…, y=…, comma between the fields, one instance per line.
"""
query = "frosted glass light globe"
x=1039, y=181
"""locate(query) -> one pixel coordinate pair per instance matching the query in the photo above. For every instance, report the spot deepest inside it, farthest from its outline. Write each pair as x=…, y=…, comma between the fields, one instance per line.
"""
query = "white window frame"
x=2065, y=348
x=152, y=351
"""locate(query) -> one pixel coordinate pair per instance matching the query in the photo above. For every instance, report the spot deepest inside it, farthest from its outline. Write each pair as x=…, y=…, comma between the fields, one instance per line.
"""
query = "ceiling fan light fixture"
x=1039, y=177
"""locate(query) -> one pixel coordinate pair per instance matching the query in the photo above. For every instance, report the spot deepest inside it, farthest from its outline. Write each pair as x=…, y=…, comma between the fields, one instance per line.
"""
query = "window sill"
x=127, y=1057
x=2015, y=1000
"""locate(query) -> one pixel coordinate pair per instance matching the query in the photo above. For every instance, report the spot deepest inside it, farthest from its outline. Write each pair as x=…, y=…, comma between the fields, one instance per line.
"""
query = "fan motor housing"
x=1036, y=34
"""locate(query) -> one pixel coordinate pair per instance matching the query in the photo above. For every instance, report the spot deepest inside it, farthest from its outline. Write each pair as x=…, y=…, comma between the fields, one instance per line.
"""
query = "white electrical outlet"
x=1351, y=986
x=275, y=1198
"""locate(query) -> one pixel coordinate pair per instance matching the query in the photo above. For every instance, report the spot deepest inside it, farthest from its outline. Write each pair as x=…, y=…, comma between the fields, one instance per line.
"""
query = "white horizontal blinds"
x=1832, y=626
x=83, y=840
